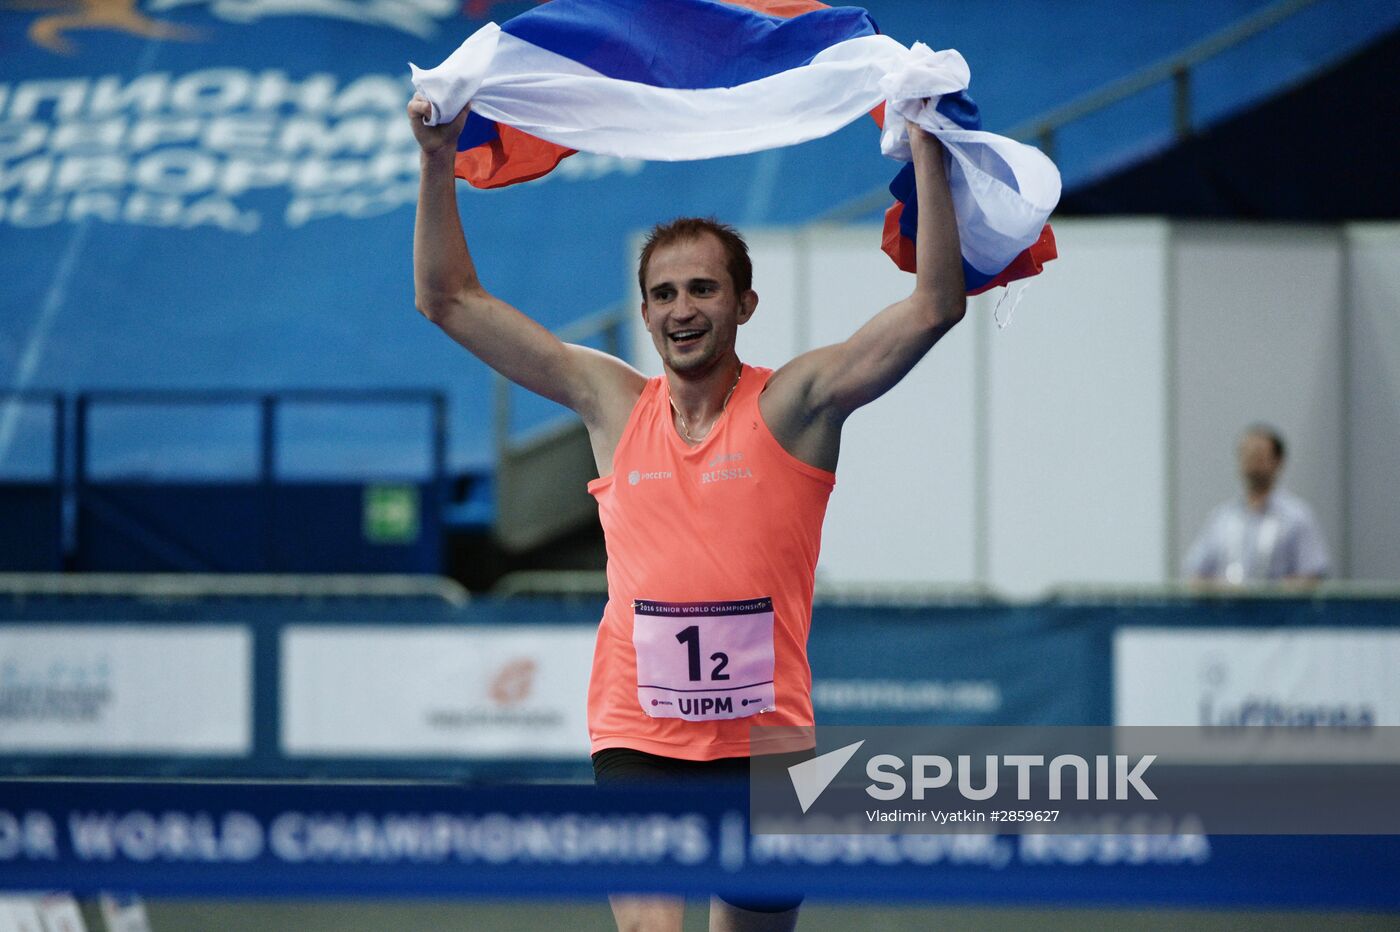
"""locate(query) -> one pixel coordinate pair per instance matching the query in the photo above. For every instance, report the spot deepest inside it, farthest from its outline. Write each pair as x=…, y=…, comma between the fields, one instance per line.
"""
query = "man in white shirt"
x=1266, y=535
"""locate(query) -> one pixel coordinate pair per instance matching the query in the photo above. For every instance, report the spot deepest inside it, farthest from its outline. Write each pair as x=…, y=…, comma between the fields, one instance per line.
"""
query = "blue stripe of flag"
x=963, y=111
x=684, y=43
x=675, y=44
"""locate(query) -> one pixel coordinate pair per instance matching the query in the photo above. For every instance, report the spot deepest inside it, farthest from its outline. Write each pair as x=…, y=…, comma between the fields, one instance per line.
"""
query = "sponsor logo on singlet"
x=730, y=469
x=637, y=476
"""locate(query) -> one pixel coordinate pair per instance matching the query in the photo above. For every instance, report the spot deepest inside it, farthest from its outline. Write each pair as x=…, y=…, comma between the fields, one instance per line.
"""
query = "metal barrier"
x=1341, y=590
x=262, y=523
x=594, y=583
x=157, y=587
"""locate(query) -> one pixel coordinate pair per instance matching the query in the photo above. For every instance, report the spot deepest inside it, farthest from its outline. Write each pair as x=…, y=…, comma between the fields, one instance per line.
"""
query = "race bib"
x=704, y=661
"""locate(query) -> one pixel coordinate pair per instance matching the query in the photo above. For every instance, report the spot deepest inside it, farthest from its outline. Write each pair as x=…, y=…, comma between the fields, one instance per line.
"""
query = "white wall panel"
x=770, y=338
x=903, y=509
x=1373, y=397
x=1258, y=337
x=1077, y=406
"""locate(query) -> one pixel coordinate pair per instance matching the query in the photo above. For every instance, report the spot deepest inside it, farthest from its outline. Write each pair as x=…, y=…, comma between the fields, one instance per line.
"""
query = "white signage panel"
x=119, y=688
x=487, y=691
x=1282, y=677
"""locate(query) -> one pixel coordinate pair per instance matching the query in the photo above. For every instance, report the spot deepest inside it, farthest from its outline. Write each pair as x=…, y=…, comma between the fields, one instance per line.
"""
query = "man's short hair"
x=1271, y=434
x=736, y=251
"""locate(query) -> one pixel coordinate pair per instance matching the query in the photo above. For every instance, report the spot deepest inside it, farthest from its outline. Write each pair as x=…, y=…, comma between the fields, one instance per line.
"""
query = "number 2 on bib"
x=704, y=661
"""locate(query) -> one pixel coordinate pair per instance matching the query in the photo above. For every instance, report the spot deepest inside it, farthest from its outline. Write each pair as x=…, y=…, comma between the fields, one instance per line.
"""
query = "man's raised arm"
x=448, y=292
x=891, y=343
x=833, y=381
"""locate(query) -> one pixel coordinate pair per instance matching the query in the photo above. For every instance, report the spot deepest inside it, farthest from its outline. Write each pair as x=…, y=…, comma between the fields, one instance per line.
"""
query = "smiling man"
x=714, y=481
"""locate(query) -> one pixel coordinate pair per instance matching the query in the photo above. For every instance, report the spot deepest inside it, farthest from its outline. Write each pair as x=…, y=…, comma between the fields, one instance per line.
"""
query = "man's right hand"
x=434, y=139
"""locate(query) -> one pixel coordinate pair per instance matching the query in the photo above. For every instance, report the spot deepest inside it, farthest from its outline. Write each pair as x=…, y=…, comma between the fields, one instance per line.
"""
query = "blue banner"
x=957, y=666
x=300, y=840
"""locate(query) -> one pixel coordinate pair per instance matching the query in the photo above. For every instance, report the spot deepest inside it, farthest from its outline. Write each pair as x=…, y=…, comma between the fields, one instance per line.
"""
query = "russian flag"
x=675, y=80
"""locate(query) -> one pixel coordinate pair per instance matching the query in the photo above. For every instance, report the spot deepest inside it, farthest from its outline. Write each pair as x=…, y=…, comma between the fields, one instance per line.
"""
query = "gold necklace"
x=685, y=427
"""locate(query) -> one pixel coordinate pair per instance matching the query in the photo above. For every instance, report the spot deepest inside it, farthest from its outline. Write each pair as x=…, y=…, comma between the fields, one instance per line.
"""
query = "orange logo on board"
x=113, y=15
x=513, y=683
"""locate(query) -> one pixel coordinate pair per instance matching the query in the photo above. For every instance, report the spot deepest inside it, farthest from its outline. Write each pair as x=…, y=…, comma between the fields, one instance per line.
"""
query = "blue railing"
x=227, y=509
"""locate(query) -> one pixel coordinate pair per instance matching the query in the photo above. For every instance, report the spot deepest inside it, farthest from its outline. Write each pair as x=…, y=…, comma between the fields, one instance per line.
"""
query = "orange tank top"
x=710, y=548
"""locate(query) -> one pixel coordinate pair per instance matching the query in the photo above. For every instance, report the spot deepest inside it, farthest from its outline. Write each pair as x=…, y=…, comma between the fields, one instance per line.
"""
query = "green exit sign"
x=391, y=514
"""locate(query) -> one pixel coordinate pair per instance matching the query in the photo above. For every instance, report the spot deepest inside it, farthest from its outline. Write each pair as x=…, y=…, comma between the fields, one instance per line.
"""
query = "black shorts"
x=621, y=766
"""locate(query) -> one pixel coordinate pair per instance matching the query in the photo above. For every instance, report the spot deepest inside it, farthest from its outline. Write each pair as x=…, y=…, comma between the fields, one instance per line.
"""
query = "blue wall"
x=289, y=283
